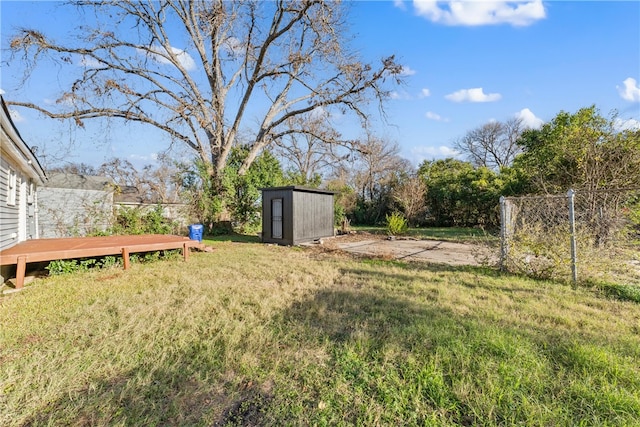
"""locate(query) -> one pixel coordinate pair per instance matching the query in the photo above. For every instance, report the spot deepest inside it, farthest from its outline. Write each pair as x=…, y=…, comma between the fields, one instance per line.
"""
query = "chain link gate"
x=581, y=235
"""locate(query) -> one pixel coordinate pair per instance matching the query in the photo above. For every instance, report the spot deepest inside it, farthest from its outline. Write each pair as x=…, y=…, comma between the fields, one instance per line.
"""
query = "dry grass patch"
x=264, y=335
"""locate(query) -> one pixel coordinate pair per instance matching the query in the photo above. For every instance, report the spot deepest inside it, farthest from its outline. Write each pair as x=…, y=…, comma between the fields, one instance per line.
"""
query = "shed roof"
x=79, y=182
x=299, y=188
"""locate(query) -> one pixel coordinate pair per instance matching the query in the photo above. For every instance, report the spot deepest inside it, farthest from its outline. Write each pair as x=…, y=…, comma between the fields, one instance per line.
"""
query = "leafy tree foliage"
x=243, y=190
x=584, y=150
x=240, y=201
x=344, y=199
x=458, y=194
x=135, y=221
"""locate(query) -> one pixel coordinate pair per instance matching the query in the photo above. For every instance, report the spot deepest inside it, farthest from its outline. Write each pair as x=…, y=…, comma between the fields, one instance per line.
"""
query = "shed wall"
x=287, y=214
x=312, y=216
x=306, y=215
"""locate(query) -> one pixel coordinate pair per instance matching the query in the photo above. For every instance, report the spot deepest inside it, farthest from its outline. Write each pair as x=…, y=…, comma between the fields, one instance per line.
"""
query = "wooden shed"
x=293, y=215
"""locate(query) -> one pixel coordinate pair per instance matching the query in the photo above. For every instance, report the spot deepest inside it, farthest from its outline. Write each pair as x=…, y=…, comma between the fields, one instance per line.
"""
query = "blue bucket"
x=195, y=232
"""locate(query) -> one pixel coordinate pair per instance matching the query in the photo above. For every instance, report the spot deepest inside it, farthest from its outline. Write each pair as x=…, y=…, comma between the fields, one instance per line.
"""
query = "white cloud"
x=436, y=117
x=422, y=153
x=159, y=54
x=2, y=92
x=16, y=116
x=630, y=91
x=407, y=71
x=430, y=153
x=529, y=119
x=399, y=95
x=146, y=158
x=66, y=99
x=400, y=4
x=319, y=113
x=628, y=124
x=234, y=46
x=473, y=95
x=88, y=62
x=474, y=13
x=425, y=93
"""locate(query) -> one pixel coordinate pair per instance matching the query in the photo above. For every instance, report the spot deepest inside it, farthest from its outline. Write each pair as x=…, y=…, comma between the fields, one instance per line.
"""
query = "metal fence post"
x=572, y=229
x=504, y=248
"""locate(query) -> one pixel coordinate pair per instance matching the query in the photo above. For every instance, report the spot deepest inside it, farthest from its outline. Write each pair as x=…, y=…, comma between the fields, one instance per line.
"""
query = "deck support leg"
x=185, y=252
x=125, y=258
x=21, y=268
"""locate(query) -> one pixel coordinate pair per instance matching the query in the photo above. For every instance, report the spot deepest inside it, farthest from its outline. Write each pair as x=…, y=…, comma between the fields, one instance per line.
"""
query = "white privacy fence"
x=581, y=235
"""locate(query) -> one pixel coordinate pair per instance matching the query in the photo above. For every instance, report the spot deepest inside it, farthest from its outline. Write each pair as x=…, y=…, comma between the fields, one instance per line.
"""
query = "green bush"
x=136, y=221
x=396, y=224
x=62, y=266
x=69, y=266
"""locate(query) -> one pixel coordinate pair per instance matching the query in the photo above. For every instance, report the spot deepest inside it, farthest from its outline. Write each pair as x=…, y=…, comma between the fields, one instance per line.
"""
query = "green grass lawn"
x=264, y=335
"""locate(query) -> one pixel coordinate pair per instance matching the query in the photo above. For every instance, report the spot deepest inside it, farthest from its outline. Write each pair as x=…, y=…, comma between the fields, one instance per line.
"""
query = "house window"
x=12, y=187
x=276, y=219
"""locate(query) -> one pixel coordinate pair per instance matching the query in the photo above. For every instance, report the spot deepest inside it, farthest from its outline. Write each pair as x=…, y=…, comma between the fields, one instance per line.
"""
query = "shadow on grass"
x=174, y=395
x=188, y=389
x=385, y=346
x=359, y=327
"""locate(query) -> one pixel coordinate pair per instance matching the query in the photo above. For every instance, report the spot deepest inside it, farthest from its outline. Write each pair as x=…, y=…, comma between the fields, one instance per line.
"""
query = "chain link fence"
x=577, y=236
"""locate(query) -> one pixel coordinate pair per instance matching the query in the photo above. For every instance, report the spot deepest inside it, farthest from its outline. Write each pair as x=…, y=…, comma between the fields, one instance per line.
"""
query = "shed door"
x=276, y=218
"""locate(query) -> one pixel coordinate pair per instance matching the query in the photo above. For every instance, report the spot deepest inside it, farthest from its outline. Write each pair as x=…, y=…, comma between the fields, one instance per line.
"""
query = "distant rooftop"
x=79, y=182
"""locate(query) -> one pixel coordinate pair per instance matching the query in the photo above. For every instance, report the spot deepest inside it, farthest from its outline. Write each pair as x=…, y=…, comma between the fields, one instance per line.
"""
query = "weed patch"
x=621, y=291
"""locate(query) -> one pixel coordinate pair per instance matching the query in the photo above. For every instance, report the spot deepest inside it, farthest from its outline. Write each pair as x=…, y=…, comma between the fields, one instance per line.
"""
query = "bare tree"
x=411, y=196
x=377, y=160
x=74, y=168
x=372, y=170
x=121, y=172
x=316, y=150
x=162, y=181
x=493, y=144
x=202, y=70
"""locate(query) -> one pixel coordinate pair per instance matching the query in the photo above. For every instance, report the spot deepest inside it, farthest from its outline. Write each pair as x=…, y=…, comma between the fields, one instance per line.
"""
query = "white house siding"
x=66, y=212
x=9, y=217
x=19, y=214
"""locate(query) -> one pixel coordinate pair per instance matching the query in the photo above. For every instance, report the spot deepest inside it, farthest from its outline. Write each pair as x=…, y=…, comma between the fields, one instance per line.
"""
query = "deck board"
x=38, y=250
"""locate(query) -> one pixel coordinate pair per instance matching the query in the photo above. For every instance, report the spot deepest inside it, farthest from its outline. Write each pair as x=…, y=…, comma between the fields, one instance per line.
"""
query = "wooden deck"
x=85, y=247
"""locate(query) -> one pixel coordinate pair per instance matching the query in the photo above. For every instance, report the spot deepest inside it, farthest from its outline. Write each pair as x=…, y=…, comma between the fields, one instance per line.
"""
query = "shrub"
x=136, y=221
x=59, y=267
x=70, y=266
x=396, y=224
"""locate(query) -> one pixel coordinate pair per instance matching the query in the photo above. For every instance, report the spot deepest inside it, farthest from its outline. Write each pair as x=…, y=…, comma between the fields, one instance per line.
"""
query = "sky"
x=465, y=63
